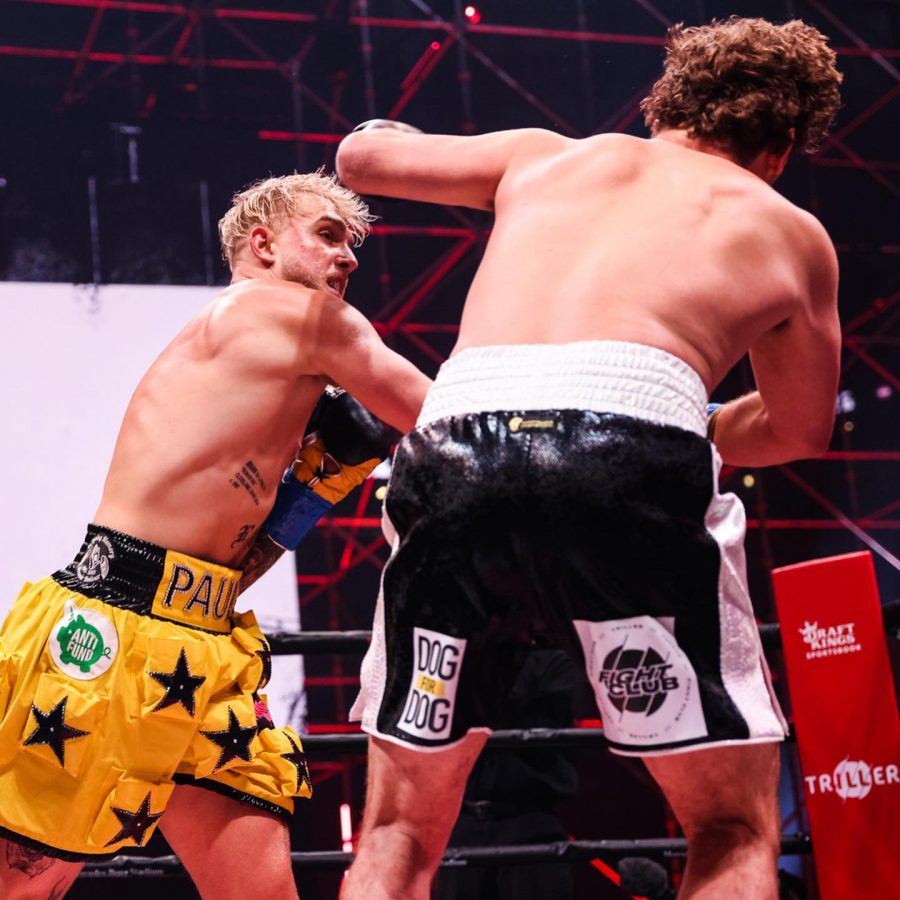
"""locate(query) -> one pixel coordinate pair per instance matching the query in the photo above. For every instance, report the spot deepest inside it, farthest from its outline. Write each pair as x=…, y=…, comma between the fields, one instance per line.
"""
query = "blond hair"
x=271, y=200
x=745, y=84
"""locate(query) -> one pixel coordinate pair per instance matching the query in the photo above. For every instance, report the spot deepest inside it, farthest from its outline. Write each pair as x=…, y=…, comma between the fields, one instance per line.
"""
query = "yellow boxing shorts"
x=121, y=675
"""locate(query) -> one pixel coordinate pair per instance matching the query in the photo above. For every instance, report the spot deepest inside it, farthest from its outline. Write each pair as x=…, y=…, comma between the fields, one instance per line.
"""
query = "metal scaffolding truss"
x=108, y=39
x=121, y=58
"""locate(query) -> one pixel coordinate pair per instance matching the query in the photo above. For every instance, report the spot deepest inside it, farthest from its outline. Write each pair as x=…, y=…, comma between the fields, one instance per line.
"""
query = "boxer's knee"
x=724, y=834
x=415, y=797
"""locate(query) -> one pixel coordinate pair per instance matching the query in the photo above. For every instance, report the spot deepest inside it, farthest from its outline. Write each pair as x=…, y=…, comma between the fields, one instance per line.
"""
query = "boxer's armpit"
x=263, y=554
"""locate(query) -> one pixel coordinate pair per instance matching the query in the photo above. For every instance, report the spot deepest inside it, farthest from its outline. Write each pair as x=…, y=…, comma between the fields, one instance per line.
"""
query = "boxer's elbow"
x=817, y=429
x=820, y=440
x=816, y=442
x=352, y=160
x=369, y=163
x=806, y=440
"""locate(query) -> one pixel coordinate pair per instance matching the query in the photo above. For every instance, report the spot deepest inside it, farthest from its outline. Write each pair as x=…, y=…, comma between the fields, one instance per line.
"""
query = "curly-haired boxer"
x=561, y=470
x=128, y=684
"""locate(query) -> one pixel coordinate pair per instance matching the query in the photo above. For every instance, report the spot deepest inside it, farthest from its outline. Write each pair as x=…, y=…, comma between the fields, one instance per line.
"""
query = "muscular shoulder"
x=268, y=301
x=747, y=205
x=274, y=321
x=541, y=146
x=530, y=146
x=539, y=141
x=800, y=232
x=810, y=233
x=797, y=236
x=817, y=257
x=549, y=165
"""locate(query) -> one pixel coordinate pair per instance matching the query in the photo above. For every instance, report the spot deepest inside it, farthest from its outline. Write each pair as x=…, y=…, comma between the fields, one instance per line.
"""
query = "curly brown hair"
x=744, y=84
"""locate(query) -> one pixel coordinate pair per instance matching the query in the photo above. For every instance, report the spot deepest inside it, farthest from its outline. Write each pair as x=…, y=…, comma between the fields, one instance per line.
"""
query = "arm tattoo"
x=25, y=859
x=243, y=533
x=262, y=555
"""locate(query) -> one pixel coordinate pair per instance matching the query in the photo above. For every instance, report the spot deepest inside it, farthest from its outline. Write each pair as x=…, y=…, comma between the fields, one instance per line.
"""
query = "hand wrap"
x=712, y=413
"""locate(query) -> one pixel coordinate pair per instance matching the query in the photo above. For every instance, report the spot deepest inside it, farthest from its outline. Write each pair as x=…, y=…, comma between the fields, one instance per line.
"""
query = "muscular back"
x=642, y=241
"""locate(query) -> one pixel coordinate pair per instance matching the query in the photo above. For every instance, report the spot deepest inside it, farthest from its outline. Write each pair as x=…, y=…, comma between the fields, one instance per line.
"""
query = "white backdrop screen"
x=70, y=358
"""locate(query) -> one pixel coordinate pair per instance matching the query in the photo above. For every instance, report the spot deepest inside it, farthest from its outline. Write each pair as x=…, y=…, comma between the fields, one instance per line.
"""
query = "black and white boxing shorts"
x=567, y=491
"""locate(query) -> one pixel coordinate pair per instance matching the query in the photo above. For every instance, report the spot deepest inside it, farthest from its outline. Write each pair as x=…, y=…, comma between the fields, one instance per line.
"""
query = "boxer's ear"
x=260, y=243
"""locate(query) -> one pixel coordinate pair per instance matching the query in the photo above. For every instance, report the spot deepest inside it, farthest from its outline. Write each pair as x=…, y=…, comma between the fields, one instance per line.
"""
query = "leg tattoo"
x=31, y=862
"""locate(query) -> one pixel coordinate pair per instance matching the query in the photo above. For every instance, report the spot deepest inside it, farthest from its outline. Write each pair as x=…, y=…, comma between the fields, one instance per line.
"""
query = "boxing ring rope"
x=529, y=738
x=310, y=642
x=285, y=643
x=521, y=854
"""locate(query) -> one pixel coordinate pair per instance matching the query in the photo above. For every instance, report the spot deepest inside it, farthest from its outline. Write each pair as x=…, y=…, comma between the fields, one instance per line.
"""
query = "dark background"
x=126, y=126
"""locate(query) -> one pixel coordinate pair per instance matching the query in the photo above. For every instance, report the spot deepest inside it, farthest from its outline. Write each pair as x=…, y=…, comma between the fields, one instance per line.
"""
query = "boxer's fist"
x=344, y=442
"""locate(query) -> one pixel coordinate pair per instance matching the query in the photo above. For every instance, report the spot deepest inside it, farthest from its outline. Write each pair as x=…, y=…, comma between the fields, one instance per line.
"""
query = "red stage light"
x=472, y=14
x=435, y=45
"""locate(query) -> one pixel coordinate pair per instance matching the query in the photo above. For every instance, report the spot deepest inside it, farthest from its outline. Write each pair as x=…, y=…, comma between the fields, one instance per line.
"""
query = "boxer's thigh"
x=229, y=848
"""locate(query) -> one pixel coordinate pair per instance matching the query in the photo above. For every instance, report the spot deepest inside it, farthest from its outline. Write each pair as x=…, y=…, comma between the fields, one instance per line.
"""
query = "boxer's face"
x=313, y=248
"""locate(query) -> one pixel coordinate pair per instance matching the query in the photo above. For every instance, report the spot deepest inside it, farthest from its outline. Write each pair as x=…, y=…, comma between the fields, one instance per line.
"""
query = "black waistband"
x=148, y=579
x=117, y=568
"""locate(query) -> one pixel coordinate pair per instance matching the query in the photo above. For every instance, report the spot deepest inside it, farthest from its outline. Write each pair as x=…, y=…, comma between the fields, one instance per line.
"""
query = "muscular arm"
x=343, y=444
x=351, y=353
x=796, y=366
x=436, y=168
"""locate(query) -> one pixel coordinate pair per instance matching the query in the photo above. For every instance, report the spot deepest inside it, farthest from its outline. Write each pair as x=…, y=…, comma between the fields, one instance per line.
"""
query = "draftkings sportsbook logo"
x=437, y=660
x=852, y=779
x=834, y=640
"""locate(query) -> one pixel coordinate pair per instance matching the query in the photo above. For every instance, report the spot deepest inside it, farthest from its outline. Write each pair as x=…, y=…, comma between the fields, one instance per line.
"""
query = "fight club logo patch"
x=852, y=779
x=83, y=643
x=437, y=659
x=637, y=680
x=645, y=686
x=93, y=567
x=833, y=640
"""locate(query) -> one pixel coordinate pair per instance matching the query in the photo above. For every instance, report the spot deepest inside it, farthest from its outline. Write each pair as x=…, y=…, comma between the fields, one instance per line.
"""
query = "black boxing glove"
x=343, y=444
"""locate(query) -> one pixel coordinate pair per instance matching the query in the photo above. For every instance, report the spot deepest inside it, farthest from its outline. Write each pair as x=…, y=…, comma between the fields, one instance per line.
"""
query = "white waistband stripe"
x=603, y=376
